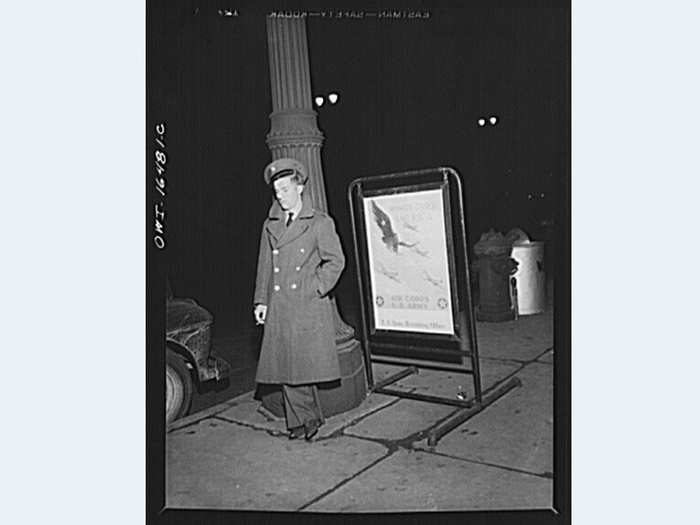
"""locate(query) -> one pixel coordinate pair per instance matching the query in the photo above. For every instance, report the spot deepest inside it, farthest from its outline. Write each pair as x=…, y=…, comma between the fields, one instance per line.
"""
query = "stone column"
x=294, y=133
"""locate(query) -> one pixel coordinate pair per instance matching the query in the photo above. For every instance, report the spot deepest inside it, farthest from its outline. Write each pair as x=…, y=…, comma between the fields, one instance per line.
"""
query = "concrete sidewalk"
x=375, y=458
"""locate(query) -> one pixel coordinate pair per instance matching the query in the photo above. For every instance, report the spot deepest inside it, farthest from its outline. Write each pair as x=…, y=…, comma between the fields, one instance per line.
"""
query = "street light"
x=481, y=122
x=319, y=101
x=333, y=98
x=493, y=120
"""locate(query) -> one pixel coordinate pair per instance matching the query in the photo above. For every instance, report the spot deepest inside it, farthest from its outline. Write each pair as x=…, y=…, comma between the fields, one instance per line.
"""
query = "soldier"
x=299, y=263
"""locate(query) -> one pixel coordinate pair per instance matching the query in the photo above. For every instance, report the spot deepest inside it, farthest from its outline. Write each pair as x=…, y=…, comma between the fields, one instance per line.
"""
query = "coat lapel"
x=275, y=227
x=275, y=224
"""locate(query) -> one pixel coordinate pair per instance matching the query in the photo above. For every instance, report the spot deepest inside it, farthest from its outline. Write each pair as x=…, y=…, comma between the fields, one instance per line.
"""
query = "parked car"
x=188, y=359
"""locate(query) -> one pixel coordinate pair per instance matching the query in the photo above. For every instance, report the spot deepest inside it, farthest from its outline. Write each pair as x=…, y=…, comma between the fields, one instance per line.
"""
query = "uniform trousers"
x=301, y=404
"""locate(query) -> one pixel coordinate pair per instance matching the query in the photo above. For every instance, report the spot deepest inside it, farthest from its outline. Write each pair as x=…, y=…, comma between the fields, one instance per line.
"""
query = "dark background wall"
x=411, y=92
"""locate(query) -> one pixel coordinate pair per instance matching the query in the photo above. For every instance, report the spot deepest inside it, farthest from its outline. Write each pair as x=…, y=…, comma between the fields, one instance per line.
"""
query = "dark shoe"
x=296, y=432
x=312, y=428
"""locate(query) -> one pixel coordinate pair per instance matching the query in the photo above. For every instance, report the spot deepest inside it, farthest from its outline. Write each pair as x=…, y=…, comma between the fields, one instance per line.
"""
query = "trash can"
x=530, y=280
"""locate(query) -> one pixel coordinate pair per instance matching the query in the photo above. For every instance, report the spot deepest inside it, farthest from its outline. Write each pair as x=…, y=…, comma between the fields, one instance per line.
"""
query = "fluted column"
x=294, y=132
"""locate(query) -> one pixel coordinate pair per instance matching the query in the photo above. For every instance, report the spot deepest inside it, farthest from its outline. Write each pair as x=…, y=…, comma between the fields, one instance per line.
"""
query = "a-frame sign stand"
x=455, y=353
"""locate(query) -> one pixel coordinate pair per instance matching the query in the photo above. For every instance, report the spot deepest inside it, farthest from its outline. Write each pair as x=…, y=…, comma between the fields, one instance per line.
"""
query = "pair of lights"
x=332, y=98
x=493, y=120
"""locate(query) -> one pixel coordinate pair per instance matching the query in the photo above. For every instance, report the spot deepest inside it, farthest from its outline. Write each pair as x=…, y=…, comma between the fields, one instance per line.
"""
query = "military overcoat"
x=298, y=266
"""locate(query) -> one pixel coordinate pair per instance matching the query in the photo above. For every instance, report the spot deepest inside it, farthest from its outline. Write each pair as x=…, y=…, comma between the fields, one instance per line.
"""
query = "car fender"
x=187, y=356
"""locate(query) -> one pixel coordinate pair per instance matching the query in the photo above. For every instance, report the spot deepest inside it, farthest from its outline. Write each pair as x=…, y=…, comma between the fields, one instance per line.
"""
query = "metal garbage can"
x=530, y=279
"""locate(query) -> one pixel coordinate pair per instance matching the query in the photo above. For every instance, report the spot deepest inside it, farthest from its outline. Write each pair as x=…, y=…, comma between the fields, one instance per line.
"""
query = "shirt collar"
x=307, y=210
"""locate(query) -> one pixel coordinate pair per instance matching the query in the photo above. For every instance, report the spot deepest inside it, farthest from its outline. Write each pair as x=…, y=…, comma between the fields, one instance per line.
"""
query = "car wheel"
x=178, y=387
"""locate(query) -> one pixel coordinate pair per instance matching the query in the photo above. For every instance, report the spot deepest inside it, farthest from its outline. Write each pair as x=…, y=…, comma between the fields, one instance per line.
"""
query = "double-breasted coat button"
x=298, y=268
x=302, y=250
x=277, y=288
x=277, y=270
x=275, y=251
x=294, y=286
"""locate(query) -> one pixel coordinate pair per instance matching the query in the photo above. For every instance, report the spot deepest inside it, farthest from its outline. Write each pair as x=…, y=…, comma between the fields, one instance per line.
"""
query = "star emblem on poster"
x=442, y=303
x=379, y=300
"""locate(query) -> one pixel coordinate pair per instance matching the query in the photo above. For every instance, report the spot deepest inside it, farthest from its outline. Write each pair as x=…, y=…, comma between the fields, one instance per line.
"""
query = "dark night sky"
x=411, y=92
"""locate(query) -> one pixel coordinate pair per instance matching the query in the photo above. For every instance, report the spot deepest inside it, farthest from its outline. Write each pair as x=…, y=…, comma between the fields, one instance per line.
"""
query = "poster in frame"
x=408, y=261
x=412, y=266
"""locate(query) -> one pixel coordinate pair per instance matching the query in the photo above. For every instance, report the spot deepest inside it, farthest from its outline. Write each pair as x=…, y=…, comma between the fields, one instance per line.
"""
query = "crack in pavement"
x=271, y=431
x=406, y=442
x=344, y=482
x=518, y=370
x=512, y=360
x=341, y=431
x=198, y=420
x=547, y=475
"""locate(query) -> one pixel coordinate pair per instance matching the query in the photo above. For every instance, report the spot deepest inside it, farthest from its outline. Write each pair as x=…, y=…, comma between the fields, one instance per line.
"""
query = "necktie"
x=289, y=218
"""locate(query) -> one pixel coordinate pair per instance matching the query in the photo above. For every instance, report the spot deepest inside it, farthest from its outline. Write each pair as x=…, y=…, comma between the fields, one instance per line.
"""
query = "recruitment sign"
x=411, y=257
x=406, y=241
